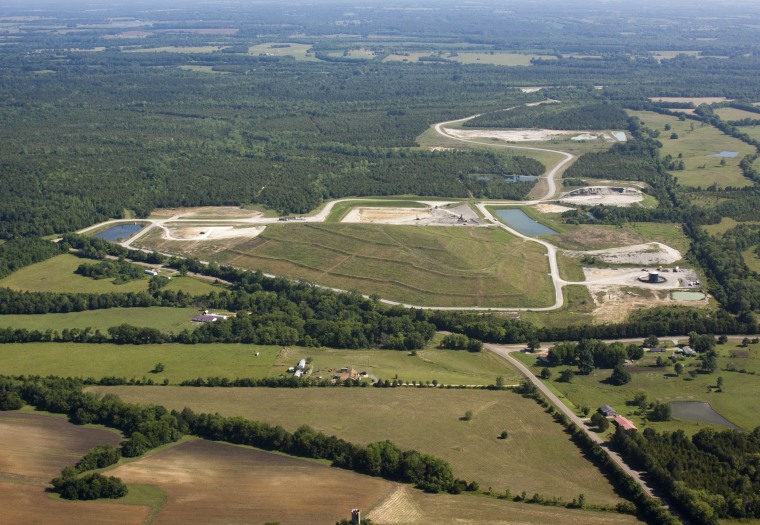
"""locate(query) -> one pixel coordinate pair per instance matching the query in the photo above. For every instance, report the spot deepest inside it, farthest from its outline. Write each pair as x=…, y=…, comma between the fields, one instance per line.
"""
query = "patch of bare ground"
x=591, y=237
x=33, y=450
x=37, y=447
x=551, y=208
x=650, y=254
x=613, y=304
x=208, y=482
x=604, y=195
x=213, y=212
x=409, y=507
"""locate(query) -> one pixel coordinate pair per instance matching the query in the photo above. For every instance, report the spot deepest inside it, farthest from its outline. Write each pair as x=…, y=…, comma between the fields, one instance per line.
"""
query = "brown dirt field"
x=33, y=450
x=409, y=507
x=37, y=446
x=208, y=482
x=217, y=212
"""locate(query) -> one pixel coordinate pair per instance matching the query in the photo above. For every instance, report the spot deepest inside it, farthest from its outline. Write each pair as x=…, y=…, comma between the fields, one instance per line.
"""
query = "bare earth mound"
x=650, y=254
x=215, y=212
x=208, y=482
x=604, y=195
x=179, y=232
x=433, y=216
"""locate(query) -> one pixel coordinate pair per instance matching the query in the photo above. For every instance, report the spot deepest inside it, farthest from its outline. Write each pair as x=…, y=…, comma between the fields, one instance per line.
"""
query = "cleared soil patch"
x=537, y=457
x=604, y=195
x=528, y=135
x=653, y=253
x=409, y=507
x=694, y=100
x=33, y=450
x=179, y=232
x=208, y=482
x=207, y=212
x=431, y=266
x=551, y=208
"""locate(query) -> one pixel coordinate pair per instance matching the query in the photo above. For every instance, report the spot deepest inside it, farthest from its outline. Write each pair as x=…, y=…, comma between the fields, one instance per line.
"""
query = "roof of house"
x=204, y=318
x=624, y=422
x=607, y=410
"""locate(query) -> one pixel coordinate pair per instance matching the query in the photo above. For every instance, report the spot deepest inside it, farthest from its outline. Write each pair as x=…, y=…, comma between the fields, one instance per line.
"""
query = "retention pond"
x=119, y=232
x=698, y=411
x=521, y=222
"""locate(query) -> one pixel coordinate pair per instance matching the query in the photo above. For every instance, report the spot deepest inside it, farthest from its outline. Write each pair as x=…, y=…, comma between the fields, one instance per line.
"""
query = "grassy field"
x=736, y=403
x=406, y=506
x=297, y=51
x=33, y=450
x=340, y=210
x=175, y=49
x=449, y=266
x=537, y=457
x=181, y=361
x=495, y=58
x=751, y=258
x=202, y=69
x=696, y=145
x=236, y=360
x=164, y=319
x=207, y=482
x=577, y=310
x=736, y=114
x=57, y=275
x=447, y=367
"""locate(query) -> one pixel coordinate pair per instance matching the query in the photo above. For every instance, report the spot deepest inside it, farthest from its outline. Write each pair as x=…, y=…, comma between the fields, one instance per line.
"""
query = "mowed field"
x=537, y=457
x=57, y=275
x=162, y=318
x=447, y=367
x=406, y=506
x=208, y=482
x=33, y=450
x=696, y=145
x=101, y=360
x=428, y=266
x=737, y=402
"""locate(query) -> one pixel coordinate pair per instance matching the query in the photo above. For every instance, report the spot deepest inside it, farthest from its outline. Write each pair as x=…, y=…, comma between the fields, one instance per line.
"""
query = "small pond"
x=521, y=222
x=726, y=154
x=119, y=232
x=698, y=411
x=687, y=296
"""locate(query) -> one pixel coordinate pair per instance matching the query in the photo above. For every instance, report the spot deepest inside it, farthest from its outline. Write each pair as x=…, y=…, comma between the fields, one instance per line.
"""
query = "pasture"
x=447, y=367
x=736, y=403
x=429, y=266
x=406, y=506
x=99, y=360
x=33, y=450
x=207, y=482
x=537, y=457
x=161, y=318
x=697, y=142
x=57, y=275
x=736, y=114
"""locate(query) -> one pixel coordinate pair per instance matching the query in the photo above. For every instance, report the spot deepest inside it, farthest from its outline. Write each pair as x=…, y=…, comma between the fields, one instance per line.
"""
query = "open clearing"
x=696, y=143
x=280, y=49
x=737, y=402
x=435, y=266
x=183, y=232
x=33, y=450
x=57, y=275
x=162, y=318
x=208, y=483
x=530, y=135
x=604, y=195
x=736, y=114
x=100, y=360
x=694, y=100
x=406, y=506
x=461, y=215
x=537, y=457
x=206, y=212
x=448, y=367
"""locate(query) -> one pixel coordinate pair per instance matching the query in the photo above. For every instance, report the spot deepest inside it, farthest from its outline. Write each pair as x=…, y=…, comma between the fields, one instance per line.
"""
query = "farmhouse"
x=154, y=273
x=607, y=411
x=301, y=364
x=657, y=350
x=204, y=318
x=624, y=423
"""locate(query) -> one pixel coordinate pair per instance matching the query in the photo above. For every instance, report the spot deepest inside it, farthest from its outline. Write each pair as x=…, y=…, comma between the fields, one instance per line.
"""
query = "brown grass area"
x=589, y=237
x=537, y=457
x=33, y=450
x=209, y=483
x=409, y=507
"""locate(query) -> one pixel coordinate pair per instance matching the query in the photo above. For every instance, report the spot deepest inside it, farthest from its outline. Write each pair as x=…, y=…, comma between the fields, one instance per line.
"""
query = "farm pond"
x=699, y=411
x=521, y=222
x=119, y=232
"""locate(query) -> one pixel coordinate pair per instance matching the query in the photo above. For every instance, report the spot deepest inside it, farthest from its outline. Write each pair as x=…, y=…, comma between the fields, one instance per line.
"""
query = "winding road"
x=440, y=128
